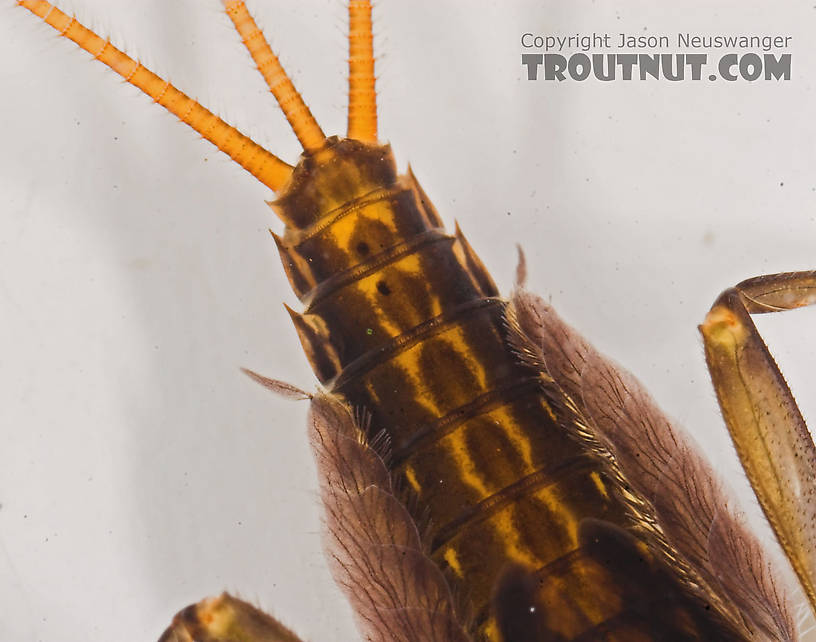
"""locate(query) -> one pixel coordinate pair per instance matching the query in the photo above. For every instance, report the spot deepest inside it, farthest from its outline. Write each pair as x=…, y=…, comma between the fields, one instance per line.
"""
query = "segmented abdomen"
x=404, y=321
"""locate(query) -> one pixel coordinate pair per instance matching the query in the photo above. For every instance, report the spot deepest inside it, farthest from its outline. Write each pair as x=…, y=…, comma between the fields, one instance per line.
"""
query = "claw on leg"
x=766, y=426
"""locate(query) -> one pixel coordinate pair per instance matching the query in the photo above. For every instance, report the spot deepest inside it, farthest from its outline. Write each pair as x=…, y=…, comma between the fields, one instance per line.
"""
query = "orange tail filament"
x=362, y=112
x=304, y=125
x=259, y=162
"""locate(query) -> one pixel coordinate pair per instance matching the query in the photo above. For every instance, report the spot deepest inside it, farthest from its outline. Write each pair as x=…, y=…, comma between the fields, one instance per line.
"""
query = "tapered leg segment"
x=765, y=423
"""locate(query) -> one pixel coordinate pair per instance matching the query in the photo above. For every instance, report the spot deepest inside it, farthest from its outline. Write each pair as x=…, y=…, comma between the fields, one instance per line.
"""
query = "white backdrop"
x=139, y=470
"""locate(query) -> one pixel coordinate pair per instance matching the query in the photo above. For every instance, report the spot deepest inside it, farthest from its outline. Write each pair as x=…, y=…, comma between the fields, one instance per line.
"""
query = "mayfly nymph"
x=478, y=486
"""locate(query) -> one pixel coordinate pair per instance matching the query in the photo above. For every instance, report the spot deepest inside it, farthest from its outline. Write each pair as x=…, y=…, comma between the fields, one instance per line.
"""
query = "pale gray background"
x=139, y=470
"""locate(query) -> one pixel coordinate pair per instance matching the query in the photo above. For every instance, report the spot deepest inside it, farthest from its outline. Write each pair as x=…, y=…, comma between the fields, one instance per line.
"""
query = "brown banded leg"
x=225, y=619
x=765, y=423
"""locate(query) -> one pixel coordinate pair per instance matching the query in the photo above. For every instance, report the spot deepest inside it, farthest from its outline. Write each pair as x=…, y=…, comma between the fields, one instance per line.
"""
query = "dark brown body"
x=404, y=321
